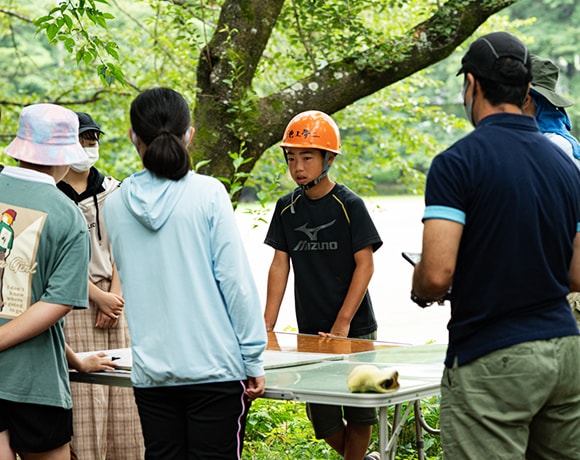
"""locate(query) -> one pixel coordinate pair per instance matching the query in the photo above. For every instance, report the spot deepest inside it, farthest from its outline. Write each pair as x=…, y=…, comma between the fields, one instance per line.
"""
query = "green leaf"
x=201, y=164
x=42, y=20
x=111, y=49
x=100, y=21
x=116, y=73
x=68, y=20
x=88, y=57
x=79, y=55
x=51, y=31
x=69, y=44
x=91, y=16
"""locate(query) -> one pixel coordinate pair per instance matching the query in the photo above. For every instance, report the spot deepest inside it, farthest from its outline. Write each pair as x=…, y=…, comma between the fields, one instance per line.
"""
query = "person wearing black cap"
x=501, y=225
x=106, y=422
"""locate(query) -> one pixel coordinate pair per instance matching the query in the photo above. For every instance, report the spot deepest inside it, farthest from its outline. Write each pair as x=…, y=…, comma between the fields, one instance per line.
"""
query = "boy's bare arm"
x=359, y=284
x=277, y=281
x=35, y=320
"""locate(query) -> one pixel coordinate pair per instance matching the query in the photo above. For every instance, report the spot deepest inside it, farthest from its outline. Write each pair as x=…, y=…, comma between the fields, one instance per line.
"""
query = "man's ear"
x=331, y=158
x=471, y=82
x=528, y=106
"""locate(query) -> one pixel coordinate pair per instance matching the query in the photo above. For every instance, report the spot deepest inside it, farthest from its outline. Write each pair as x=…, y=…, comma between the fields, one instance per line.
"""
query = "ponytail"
x=166, y=156
x=161, y=117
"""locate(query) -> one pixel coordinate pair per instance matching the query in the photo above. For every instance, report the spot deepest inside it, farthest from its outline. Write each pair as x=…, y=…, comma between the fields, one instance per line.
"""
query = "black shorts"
x=35, y=427
x=328, y=420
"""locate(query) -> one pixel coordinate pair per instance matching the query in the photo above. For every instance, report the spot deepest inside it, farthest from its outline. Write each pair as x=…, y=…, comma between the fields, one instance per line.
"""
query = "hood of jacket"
x=152, y=199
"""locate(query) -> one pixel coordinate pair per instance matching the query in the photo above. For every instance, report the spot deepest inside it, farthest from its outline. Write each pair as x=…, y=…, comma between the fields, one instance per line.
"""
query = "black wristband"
x=423, y=303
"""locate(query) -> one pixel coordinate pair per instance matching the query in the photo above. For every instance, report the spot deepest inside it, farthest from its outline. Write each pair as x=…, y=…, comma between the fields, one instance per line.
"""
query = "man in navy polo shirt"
x=500, y=226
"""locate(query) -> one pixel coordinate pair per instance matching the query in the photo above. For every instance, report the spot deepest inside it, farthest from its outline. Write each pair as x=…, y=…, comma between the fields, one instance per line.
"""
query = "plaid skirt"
x=105, y=420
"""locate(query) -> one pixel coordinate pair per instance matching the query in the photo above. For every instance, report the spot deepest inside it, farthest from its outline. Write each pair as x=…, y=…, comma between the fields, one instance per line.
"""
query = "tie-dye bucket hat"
x=47, y=135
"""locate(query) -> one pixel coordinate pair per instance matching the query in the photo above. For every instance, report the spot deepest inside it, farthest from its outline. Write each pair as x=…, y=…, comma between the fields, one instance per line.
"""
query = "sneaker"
x=373, y=456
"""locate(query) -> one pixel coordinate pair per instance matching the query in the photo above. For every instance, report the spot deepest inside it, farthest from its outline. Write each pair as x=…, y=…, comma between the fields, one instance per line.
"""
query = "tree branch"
x=17, y=15
x=341, y=83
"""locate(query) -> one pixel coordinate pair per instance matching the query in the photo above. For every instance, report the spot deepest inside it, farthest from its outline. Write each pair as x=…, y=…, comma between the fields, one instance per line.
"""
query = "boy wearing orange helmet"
x=327, y=232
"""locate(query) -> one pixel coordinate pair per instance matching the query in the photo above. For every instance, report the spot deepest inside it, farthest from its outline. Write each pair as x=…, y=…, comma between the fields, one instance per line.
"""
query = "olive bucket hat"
x=544, y=79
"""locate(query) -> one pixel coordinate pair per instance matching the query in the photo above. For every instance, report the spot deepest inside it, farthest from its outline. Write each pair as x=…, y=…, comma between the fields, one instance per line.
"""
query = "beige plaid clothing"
x=574, y=301
x=105, y=420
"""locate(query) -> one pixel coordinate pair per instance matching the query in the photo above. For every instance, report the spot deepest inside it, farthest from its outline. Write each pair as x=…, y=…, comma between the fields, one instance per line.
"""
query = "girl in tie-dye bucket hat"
x=45, y=276
x=47, y=135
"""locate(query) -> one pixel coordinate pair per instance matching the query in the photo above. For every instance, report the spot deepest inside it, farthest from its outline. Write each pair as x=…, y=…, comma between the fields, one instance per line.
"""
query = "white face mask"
x=85, y=165
x=468, y=107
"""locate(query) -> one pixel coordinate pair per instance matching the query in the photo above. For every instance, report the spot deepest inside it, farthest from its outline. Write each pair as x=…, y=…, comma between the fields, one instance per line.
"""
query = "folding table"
x=314, y=369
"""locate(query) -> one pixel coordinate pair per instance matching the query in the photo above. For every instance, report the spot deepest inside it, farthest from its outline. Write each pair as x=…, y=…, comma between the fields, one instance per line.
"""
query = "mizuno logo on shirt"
x=312, y=234
x=315, y=245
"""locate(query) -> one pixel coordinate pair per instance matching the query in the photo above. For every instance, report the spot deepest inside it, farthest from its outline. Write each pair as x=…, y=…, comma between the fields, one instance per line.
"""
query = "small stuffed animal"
x=368, y=378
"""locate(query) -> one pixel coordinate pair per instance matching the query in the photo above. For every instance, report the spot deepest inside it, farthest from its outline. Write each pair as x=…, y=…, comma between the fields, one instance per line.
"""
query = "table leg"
x=419, y=431
x=388, y=444
x=383, y=431
x=420, y=426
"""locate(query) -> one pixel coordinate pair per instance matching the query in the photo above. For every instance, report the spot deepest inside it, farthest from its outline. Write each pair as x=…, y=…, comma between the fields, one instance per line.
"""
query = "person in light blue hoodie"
x=192, y=306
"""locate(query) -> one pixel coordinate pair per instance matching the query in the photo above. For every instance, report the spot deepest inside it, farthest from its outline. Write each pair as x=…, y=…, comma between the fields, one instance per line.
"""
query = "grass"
x=281, y=430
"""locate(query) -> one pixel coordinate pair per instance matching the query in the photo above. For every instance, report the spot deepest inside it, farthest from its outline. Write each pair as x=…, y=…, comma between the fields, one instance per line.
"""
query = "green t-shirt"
x=48, y=261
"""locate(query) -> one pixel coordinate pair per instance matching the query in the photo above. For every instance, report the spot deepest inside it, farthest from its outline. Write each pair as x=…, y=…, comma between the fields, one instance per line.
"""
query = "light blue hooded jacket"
x=191, y=302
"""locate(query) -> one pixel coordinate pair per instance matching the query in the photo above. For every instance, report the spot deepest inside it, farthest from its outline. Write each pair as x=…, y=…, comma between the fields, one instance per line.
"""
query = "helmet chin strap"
x=305, y=187
x=324, y=172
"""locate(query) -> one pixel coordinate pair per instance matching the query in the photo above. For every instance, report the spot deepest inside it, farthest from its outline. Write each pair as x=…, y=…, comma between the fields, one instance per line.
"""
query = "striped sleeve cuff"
x=445, y=212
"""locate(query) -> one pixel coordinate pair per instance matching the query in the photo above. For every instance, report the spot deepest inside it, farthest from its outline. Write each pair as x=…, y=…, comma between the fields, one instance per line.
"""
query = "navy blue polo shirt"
x=518, y=197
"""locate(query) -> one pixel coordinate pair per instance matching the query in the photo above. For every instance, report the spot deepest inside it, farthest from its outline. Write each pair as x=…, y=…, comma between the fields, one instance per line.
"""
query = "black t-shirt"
x=321, y=237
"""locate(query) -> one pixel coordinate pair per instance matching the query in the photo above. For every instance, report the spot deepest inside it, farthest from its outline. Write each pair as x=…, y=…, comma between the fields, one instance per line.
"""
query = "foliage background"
x=389, y=137
x=280, y=430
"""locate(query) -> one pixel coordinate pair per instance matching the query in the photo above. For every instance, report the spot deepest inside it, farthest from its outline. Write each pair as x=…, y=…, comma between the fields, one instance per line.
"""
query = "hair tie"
x=164, y=131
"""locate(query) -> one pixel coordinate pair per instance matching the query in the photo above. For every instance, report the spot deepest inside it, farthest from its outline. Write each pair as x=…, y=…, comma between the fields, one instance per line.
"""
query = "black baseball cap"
x=86, y=123
x=484, y=53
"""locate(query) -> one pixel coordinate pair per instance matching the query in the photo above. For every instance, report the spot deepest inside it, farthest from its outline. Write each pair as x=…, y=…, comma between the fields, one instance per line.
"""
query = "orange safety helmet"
x=312, y=129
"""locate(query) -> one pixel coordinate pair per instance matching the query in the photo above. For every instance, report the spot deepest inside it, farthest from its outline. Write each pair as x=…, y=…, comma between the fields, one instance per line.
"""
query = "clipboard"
x=121, y=356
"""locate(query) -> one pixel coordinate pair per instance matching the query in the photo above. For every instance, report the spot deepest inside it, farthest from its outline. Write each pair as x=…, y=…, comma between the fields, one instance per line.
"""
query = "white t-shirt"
x=565, y=145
